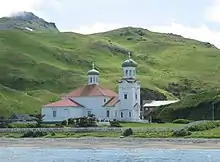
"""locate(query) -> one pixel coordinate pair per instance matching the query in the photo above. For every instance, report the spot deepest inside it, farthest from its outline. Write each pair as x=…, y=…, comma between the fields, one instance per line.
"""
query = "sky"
x=196, y=19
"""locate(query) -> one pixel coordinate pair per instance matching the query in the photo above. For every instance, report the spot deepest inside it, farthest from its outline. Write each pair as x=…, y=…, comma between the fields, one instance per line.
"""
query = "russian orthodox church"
x=104, y=103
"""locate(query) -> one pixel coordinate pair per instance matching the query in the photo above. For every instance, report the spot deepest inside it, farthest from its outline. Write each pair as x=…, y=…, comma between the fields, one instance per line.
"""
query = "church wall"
x=62, y=113
x=129, y=112
x=93, y=105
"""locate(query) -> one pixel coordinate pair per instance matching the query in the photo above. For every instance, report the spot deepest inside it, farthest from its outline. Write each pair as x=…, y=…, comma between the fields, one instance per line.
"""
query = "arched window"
x=107, y=113
x=126, y=72
x=130, y=72
x=90, y=79
x=121, y=114
x=129, y=114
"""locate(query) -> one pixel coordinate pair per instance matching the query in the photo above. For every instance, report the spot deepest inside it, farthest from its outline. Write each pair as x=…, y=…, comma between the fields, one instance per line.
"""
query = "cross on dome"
x=129, y=55
x=93, y=65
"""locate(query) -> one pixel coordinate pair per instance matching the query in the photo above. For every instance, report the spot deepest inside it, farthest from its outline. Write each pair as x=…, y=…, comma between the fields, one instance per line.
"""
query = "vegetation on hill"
x=37, y=66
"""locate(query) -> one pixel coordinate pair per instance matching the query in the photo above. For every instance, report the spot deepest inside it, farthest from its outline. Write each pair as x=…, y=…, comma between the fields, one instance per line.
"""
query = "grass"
x=35, y=67
x=213, y=133
x=152, y=125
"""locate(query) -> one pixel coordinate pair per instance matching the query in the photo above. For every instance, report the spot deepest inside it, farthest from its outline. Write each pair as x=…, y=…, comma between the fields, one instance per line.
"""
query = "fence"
x=91, y=129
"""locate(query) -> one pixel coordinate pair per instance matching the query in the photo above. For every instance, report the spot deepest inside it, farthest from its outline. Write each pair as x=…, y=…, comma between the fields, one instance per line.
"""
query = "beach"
x=99, y=143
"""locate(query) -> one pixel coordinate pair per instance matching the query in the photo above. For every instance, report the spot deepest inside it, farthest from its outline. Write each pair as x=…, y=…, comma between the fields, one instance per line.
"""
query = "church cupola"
x=129, y=68
x=93, y=76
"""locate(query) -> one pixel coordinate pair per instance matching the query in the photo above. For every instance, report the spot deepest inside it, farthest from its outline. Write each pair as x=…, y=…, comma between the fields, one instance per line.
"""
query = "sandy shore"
x=112, y=143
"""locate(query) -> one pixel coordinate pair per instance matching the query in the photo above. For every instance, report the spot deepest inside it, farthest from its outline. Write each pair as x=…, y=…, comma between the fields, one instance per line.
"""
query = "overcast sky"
x=198, y=19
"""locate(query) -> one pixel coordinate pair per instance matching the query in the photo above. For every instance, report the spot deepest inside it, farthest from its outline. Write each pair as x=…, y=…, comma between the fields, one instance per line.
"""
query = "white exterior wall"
x=94, y=104
x=113, y=112
x=62, y=113
x=127, y=105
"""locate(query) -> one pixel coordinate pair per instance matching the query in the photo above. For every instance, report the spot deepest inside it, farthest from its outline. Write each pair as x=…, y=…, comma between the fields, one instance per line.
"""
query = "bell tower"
x=129, y=92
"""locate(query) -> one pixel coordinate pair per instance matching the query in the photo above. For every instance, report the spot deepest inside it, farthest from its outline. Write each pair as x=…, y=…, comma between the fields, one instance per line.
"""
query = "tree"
x=38, y=118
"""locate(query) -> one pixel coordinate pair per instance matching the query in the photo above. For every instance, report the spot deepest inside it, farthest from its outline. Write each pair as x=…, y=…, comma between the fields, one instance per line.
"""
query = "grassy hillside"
x=47, y=64
x=194, y=107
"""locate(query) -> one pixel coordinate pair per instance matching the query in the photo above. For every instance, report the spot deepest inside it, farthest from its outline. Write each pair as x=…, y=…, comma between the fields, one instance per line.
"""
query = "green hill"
x=27, y=21
x=35, y=67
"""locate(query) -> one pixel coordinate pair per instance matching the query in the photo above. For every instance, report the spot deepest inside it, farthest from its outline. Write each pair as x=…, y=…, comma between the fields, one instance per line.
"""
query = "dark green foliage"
x=3, y=125
x=83, y=121
x=64, y=122
x=181, y=133
x=203, y=126
x=86, y=122
x=127, y=132
x=22, y=125
x=115, y=123
x=34, y=134
x=38, y=119
x=181, y=121
x=192, y=107
x=53, y=134
x=71, y=121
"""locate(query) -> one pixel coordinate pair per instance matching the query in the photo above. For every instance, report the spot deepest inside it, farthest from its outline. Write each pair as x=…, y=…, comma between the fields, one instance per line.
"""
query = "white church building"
x=104, y=103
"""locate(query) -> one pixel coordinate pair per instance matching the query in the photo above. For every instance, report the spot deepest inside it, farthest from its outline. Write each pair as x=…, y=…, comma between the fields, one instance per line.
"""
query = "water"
x=11, y=154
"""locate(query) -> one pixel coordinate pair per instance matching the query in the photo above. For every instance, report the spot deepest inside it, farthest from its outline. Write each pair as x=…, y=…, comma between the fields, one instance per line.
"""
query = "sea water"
x=18, y=154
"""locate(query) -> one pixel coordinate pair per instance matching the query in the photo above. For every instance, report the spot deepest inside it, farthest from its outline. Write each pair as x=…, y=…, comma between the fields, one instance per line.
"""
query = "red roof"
x=64, y=103
x=112, y=102
x=92, y=90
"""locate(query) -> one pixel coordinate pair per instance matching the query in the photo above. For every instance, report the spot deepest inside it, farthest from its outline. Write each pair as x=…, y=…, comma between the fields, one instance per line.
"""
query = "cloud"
x=96, y=28
x=201, y=33
x=9, y=7
x=213, y=12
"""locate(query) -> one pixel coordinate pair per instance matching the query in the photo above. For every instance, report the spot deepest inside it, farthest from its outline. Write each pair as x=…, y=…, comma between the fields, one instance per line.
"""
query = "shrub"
x=58, y=125
x=114, y=123
x=181, y=121
x=71, y=121
x=127, y=132
x=203, y=126
x=181, y=133
x=64, y=122
x=53, y=134
x=3, y=125
x=28, y=134
x=34, y=134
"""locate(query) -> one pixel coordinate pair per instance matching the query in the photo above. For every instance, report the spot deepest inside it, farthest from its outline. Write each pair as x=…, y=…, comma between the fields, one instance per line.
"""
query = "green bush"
x=28, y=134
x=114, y=123
x=34, y=134
x=181, y=121
x=3, y=125
x=64, y=122
x=53, y=134
x=203, y=126
x=127, y=132
x=181, y=133
x=22, y=125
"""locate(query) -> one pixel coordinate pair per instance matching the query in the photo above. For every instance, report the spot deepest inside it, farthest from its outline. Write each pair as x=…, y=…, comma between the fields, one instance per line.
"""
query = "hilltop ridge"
x=26, y=21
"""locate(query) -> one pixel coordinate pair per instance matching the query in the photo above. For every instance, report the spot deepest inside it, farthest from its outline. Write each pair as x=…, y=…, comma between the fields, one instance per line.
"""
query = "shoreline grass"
x=213, y=133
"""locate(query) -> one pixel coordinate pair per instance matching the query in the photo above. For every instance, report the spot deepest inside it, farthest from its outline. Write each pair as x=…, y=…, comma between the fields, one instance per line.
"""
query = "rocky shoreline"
x=92, y=142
